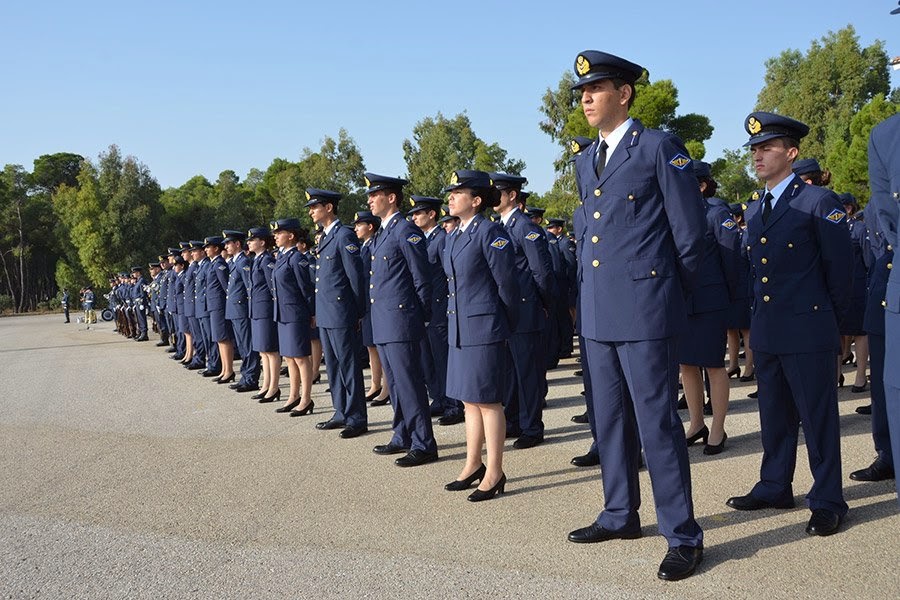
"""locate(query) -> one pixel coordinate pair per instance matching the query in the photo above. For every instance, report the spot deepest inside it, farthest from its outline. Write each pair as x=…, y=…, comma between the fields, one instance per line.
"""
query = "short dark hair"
x=619, y=82
x=711, y=186
x=490, y=197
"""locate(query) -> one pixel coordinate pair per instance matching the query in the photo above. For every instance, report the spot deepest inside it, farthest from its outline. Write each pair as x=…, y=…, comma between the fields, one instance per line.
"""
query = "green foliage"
x=53, y=170
x=188, y=210
x=825, y=87
x=732, y=173
x=850, y=161
x=440, y=146
x=337, y=166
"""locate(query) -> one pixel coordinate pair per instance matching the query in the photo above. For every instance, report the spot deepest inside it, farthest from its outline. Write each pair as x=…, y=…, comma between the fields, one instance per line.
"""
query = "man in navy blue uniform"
x=884, y=182
x=212, y=279
x=537, y=287
x=139, y=303
x=401, y=300
x=236, y=309
x=639, y=248
x=800, y=256
x=339, y=309
x=424, y=213
x=198, y=355
x=175, y=337
x=161, y=279
x=565, y=271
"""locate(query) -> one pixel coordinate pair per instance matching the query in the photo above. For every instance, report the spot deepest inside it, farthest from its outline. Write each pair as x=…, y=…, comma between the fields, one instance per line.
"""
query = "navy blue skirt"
x=475, y=373
x=219, y=327
x=366, y=328
x=739, y=314
x=293, y=339
x=703, y=342
x=263, y=335
x=853, y=320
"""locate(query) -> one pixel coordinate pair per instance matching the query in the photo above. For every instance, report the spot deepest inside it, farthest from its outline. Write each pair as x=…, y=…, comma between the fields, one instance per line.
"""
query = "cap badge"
x=368, y=183
x=582, y=66
x=574, y=146
x=753, y=126
x=308, y=197
x=454, y=178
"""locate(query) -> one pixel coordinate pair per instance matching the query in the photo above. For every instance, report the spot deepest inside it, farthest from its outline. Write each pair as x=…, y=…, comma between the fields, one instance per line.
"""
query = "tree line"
x=73, y=220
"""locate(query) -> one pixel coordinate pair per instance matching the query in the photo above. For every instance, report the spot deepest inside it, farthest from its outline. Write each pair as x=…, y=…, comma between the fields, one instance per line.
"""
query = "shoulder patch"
x=352, y=248
x=680, y=161
x=414, y=239
x=304, y=263
x=246, y=268
x=729, y=224
x=532, y=236
x=500, y=243
x=222, y=268
x=553, y=241
x=271, y=265
x=836, y=215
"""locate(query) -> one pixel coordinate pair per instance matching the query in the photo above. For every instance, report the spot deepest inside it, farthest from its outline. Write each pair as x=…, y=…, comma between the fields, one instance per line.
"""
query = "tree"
x=337, y=166
x=732, y=173
x=825, y=87
x=53, y=170
x=188, y=210
x=230, y=203
x=440, y=146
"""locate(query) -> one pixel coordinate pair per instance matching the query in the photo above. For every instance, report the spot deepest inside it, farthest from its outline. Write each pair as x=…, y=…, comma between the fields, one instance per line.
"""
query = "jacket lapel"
x=622, y=152
x=784, y=201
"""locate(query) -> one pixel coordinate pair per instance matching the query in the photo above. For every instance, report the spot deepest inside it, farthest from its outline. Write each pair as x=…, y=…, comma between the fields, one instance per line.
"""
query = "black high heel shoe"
x=373, y=395
x=480, y=495
x=746, y=378
x=317, y=379
x=304, y=411
x=258, y=396
x=288, y=407
x=382, y=402
x=228, y=379
x=847, y=359
x=265, y=399
x=464, y=484
x=715, y=448
x=735, y=372
x=702, y=434
x=841, y=381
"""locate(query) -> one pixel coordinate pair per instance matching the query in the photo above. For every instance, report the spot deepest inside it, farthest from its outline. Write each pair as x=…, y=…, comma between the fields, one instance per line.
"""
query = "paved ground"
x=124, y=475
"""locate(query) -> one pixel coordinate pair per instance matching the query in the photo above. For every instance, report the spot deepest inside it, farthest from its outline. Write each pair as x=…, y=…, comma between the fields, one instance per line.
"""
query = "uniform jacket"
x=260, y=290
x=216, y=283
x=162, y=281
x=177, y=285
x=400, y=283
x=339, y=279
x=200, y=309
x=484, y=293
x=293, y=290
x=534, y=272
x=641, y=238
x=801, y=269
x=190, y=276
x=236, y=297
x=717, y=275
x=437, y=241
x=171, y=300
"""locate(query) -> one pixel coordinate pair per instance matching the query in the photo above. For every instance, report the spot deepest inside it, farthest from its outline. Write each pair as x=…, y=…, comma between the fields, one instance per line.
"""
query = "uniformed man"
x=799, y=248
x=639, y=248
x=176, y=335
x=884, y=181
x=425, y=212
x=565, y=271
x=236, y=309
x=339, y=309
x=192, y=308
x=139, y=302
x=65, y=303
x=527, y=345
x=400, y=304
x=161, y=283
x=449, y=222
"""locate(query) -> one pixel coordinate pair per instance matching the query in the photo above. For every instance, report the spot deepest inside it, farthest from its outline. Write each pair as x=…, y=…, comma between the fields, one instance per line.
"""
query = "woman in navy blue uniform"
x=294, y=302
x=305, y=245
x=851, y=327
x=480, y=266
x=739, y=319
x=261, y=312
x=702, y=344
x=216, y=286
x=365, y=226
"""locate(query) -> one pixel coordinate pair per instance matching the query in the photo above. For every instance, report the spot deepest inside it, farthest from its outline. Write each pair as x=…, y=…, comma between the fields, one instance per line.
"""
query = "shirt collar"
x=615, y=136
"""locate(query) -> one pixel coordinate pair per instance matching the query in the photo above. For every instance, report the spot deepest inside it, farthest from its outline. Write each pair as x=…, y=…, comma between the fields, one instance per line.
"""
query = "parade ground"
x=126, y=476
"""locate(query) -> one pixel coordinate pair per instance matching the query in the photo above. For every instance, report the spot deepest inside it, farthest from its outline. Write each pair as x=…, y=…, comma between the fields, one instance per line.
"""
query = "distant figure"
x=88, y=302
x=65, y=303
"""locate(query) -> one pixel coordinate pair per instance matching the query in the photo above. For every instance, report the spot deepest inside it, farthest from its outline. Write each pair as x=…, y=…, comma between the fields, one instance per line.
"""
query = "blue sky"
x=199, y=87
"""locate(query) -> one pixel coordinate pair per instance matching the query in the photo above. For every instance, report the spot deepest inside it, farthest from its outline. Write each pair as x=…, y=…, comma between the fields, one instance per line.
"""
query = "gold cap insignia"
x=412, y=202
x=273, y=225
x=308, y=197
x=454, y=178
x=753, y=126
x=443, y=213
x=582, y=66
x=743, y=206
x=356, y=217
x=754, y=196
x=490, y=181
x=368, y=183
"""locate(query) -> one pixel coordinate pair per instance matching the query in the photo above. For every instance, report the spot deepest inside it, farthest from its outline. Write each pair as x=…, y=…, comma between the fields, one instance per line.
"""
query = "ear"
x=792, y=153
x=625, y=94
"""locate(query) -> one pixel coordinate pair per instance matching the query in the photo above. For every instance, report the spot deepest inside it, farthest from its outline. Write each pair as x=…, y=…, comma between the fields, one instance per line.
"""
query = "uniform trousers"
x=436, y=336
x=197, y=341
x=881, y=434
x=648, y=371
x=141, y=318
x=250, y=364
x=795, y=390
x=525, y=399
x=409, y=398
x=213, y=361
x=345, y=378
x=892, y=376
x=588, y=395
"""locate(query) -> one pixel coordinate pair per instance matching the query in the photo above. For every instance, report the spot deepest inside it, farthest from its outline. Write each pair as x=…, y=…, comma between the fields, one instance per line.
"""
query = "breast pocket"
x=629, y=202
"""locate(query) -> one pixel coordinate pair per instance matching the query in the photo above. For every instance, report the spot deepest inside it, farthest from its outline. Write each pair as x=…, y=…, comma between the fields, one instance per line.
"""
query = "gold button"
x=401, y=306
x=890, y=265
x=372, y=300
x=631, y=196
x=316, y=290
x=765, y=298
x=653, y=273
x=764, y=261
x=596, y=214
x=596, y=263
x=371, y=286
x=318, y=266
x=318, y=278
x=370, y=273
x=597, y=192
x=815, y=307
x=762, y=240
x=790, y=245
x=884, y=302
x=596, y=239
x=765, y=280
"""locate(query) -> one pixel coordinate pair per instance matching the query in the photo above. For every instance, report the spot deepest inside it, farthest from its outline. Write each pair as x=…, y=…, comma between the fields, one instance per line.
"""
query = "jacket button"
x=372, y=301
x=653, y=273
x=316, y=290
x=317, y=278
x=371, y=272
x=764, y=260
x=318, y=266
x=766, y=298
x=890, y=247
x=596, y=263
x=790, y=245
x=373, y=258
x=401, y=306
x=884, y=302
x=597, y=192
x=596, y=214
x=371, y=286
x=763, y=240
x=815, y=307
x=338, y=297
x=890, y=265
x=765, y=280
x=595, y=239
x=631, y=196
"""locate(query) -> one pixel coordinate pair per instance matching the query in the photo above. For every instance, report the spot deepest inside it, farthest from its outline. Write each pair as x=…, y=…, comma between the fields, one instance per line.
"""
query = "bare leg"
x=304, y=366
x=275, y=368
x=494, y=436
x=226, y=352
x=316, y=346
x=862, y=359
x=385, y=390
x=749, y=365
x=188, y=348
x=734, y=348
x=266, y=370
x=692, y=381
x=294, y=378
x=474, y=439
x=377, y=372
x=718, y=391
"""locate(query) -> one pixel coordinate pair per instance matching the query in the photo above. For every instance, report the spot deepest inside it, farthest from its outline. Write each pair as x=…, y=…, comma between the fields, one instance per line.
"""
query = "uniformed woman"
x=702, y=344
x=261, y=312
x=739, y=319
x=480, y=267
x=851, y=327
x=365, y=226
x=216, y=286
x=304, y=245
x=294, y=310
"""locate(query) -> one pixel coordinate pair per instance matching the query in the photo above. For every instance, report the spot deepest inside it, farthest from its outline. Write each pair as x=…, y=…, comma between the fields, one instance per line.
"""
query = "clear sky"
x=197, y=87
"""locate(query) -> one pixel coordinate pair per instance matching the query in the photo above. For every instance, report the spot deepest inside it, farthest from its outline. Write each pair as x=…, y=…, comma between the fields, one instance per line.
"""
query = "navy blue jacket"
x=717, y=277
x=190, y=277
x=216, y=283
x=294, y=295
x=437, y=241
x=236, y=297
x=534, y=272
x=200, y=310
x=177, y=287
x=260, y=290
x=340, y=296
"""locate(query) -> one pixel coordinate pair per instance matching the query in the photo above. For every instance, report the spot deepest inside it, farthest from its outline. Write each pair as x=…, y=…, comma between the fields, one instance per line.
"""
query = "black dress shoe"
x=373, y=395
x=244, y=387
x=751, y=502
x=302, y=412
x=228, y=379
x=209, y=374
x=390, y=449
x=877, y=471
x=597, y=533
x=591, y=459
x=453, y=419
x=330, y=424
x=847, y=359
x=234, y=386
x=258, y=396
x=172, y=349
x=701, y=434
x=352, y=431
x=859, y=389
x=735, y=372
x=382, y=402
x=682, y=402
x=527, y=441
x=416, y=458
x=680, y=562
x=142, y=338
x=317, y=378
x=711, y=449
x=267, y=399
x=161, y=343
x=482, y=495
x=288, y=407
x=194, y=367
x=753, y=394
x=864, y=410
x=823, y=522
x=579, y=373
x=746, y=378
x=582, y=418
x=177, y=357
x=464, y=484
